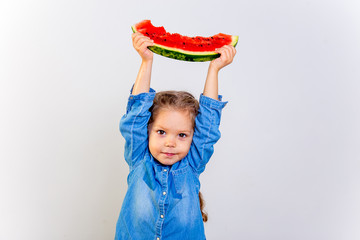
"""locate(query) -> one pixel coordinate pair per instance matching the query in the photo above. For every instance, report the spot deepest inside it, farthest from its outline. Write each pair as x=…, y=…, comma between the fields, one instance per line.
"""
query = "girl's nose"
x=170, y=142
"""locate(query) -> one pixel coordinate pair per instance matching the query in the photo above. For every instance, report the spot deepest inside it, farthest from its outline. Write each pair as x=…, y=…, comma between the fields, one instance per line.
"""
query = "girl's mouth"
x=169, y=154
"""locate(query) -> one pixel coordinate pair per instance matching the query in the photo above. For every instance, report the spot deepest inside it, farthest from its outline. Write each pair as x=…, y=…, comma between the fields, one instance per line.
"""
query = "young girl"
x=169, y=139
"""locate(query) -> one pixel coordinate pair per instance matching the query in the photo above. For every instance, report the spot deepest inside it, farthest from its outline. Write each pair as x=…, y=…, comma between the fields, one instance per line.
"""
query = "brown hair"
x=178, y=100
x=202, y=206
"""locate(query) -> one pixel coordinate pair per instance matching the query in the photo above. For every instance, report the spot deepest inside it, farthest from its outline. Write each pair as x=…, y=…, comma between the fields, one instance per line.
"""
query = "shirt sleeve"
x=206, y=132
x=133, y=126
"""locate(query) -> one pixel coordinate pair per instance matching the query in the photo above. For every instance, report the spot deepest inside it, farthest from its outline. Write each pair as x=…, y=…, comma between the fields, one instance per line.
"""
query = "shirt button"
x=164, y=193
x=165, y=170
x=157, y=238
x=162, y=216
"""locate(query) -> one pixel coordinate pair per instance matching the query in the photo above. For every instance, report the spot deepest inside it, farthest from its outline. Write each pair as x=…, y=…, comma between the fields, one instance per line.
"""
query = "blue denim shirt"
x=162, y=202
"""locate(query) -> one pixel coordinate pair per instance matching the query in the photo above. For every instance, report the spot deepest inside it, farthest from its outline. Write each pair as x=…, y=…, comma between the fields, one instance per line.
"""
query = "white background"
x=287, y=165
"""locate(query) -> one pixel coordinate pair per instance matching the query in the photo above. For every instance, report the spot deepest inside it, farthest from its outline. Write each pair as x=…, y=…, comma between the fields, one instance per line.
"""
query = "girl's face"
x=170, y=135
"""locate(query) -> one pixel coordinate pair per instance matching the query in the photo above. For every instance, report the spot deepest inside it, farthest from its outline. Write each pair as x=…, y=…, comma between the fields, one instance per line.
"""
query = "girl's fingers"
x=222, y=53
x=233, y=51
x=133, y=35
x=219, y=50
x=227, y=48
x=227, y=53
x=230, y=49
x=143, y=46
x=138, y=39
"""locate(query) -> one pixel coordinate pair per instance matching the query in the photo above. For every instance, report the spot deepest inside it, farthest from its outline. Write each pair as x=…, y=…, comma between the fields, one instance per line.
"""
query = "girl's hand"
x=141, y=44
x=227, y=54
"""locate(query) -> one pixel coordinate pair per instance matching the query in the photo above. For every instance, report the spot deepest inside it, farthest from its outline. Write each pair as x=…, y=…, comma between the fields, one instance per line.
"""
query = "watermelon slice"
x=174, y=45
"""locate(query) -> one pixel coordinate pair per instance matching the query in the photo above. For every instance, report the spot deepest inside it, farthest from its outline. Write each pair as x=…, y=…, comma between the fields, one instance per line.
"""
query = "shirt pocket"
x=182, y=180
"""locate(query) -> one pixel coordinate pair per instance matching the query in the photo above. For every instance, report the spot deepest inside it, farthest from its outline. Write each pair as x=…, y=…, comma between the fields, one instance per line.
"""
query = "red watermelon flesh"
x=175, y=40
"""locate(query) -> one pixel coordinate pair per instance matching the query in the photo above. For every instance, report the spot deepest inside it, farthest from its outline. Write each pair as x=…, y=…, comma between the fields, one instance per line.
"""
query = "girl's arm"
x=227, y=54
x=207, y=121
x=142, y=82
x=133, y=125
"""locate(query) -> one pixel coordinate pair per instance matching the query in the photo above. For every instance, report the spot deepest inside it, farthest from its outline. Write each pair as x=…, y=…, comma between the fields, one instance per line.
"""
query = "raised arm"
x=227, y=54
x=142, y=82
x=207, y=121
x=133, y=125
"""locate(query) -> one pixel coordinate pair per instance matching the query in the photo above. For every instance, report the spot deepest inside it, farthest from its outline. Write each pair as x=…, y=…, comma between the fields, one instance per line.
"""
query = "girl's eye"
x=182, y=135
x=161, y=132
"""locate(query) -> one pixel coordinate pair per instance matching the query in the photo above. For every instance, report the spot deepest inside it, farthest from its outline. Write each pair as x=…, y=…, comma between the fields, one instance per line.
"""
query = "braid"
x=202, y=205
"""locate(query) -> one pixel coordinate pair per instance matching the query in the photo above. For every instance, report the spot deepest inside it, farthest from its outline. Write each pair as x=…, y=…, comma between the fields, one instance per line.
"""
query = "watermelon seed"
x=183, y=43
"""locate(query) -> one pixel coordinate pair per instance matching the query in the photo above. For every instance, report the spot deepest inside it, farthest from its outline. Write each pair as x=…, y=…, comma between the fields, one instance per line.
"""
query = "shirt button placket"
x=164, y=187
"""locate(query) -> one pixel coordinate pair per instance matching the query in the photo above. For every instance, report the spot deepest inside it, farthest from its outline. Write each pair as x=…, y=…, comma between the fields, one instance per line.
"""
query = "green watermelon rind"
x=179, y=54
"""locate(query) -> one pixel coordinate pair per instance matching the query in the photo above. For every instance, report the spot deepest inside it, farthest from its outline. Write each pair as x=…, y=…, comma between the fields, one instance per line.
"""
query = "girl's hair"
x=202, y=206
x=178, y=100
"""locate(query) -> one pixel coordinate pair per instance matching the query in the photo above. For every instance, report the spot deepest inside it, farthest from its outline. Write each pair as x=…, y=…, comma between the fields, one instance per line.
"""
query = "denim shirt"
x=162, y=202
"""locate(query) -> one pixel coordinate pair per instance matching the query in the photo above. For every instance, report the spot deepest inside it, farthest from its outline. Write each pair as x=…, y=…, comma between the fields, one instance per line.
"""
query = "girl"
x=169, y=139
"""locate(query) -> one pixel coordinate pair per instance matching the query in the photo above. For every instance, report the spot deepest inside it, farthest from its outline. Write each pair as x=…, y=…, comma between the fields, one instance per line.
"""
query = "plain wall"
x=287, y=165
